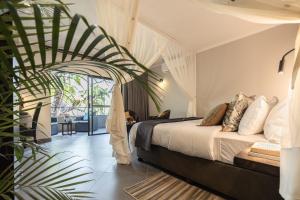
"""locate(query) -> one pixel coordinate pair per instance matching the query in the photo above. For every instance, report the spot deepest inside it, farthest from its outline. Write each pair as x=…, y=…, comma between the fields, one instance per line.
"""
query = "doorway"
x=84, y=101
x=100, y=91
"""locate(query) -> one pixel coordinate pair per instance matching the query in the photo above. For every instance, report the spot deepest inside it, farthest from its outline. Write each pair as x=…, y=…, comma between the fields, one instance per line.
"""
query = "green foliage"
x=51, y=178
x=74, y=94
x=100, y=94
x=41, y=38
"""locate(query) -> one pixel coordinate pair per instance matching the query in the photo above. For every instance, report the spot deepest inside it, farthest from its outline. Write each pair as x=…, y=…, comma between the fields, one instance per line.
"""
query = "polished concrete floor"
x=109, y=179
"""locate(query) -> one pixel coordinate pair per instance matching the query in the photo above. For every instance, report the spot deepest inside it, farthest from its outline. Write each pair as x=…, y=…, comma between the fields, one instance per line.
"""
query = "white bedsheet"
x=199, y=141
x=184, y=137
x=229, y=144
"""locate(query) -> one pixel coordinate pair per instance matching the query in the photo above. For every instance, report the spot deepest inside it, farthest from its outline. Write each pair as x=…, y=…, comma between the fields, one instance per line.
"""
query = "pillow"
x=85, y=117
x=255, y=116
x=276, y=122
x=215, y=116
x=235, y=112
x=164, y=115
x=127, y=115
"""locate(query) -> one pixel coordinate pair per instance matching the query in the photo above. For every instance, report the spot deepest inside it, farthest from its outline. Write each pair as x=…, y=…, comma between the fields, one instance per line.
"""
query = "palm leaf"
x=59, y=182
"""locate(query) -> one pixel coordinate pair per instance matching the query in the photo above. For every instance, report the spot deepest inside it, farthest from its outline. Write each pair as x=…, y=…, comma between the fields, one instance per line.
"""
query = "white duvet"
x=184, y=137
x=199, y=141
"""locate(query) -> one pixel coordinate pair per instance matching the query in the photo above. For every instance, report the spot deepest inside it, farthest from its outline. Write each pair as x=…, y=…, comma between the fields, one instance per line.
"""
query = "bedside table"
x=262, y=165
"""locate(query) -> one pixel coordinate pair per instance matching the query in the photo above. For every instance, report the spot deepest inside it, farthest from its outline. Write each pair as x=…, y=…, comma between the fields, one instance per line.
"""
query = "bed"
x=205, y=155
x=199, y=141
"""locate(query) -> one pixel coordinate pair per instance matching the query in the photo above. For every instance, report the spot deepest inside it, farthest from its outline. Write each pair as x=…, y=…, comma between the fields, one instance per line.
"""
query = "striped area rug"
x=165, y=187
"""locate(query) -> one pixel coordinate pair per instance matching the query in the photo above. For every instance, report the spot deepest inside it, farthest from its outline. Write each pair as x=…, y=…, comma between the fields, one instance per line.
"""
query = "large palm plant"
x=42, y=37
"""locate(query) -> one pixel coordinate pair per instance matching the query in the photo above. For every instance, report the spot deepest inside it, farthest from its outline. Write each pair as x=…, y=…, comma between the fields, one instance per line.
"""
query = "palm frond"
x=46, y=177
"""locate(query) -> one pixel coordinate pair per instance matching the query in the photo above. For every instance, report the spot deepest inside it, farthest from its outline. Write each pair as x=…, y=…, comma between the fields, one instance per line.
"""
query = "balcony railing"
x=79, y=111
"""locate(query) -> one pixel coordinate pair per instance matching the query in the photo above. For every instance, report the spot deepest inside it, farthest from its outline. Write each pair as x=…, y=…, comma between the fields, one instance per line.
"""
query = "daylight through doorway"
x=84, y=103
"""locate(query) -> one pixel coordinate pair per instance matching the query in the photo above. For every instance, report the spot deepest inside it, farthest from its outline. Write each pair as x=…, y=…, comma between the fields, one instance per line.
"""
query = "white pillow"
x=276, y=121
x=255, y=116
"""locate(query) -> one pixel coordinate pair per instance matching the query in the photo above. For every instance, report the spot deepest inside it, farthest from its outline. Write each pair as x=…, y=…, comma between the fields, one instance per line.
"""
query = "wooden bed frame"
x=227, y=180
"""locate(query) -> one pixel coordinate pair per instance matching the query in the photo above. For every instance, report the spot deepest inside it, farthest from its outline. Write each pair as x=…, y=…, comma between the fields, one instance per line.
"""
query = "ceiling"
x=185, y=21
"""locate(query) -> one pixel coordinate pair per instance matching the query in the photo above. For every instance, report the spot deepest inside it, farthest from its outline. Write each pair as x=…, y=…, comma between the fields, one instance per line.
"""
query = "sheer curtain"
x=119, y=19
x=290, y=153
x=115, y=125
x=147, y=45
x=182, y=66
x=276, y=12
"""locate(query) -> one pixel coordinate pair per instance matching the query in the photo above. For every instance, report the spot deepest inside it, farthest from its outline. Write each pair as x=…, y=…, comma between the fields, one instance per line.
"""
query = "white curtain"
x=182, y=66
x=119, y=19
x=147, y=45
x=290, y=153
x=116, y=126
x=276, y=12
x=293, y=138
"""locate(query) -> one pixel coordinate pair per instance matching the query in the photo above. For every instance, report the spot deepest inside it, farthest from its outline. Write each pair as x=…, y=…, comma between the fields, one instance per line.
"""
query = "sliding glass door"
x=85, y=101
x=100, y=91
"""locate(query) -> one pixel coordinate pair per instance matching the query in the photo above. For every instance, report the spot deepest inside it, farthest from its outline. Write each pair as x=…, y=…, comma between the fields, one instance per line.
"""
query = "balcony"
x=80, y=119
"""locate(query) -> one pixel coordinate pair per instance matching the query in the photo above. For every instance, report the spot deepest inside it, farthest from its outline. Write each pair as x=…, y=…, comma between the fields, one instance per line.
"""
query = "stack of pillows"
x=250, y=115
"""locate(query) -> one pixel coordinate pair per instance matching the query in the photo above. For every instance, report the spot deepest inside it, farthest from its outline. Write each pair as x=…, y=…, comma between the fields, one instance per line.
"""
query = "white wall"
x=173, y=98
x=248, y=65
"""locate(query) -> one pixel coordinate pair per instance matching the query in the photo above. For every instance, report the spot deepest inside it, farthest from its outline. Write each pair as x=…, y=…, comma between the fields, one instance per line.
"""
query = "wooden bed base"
x=227, y=180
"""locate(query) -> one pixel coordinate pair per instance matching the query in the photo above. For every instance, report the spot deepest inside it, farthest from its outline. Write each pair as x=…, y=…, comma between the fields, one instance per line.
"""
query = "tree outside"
x=73, y=99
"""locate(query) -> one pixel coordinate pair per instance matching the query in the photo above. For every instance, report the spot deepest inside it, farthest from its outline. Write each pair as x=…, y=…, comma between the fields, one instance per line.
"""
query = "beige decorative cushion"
x=235, y=112
x=164, y=115
x=215, y=116
x=129, y=118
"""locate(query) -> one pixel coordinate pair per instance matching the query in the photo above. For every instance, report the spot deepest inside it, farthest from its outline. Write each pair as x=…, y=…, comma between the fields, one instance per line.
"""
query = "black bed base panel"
x=230, y=181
